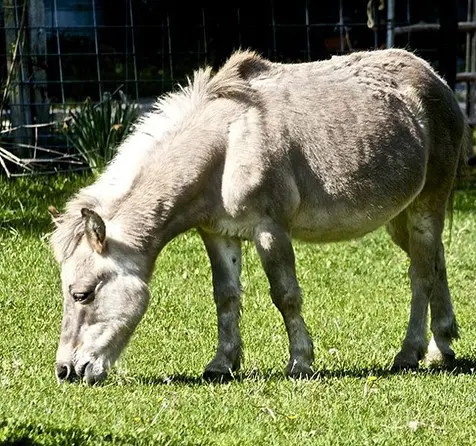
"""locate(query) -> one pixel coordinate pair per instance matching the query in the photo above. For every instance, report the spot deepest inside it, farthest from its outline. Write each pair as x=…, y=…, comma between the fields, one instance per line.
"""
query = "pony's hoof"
x=440, y=360
x=299, y=371
x=218, y=375
x=403, y=365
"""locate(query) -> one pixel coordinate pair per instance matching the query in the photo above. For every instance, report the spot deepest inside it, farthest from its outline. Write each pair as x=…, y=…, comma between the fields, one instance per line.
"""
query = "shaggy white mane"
x=168, y=113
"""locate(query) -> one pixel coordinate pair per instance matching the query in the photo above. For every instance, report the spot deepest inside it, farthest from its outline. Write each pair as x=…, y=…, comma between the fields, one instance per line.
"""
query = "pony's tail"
x=465, y=152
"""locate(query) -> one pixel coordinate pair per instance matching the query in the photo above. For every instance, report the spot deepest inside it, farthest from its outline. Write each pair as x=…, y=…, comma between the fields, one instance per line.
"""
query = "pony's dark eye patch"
x=82, y=296
x=84, y=293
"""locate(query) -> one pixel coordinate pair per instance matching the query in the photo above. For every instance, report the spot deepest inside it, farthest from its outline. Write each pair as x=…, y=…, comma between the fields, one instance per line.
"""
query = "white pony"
x=321, y=151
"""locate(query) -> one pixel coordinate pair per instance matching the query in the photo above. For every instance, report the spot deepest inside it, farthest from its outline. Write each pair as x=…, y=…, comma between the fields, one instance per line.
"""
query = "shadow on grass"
x=26, y=434
x=461, y=366
x=188, y=380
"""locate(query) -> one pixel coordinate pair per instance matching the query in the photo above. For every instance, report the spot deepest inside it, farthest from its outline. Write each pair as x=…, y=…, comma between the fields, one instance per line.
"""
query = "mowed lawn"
x=356, y=303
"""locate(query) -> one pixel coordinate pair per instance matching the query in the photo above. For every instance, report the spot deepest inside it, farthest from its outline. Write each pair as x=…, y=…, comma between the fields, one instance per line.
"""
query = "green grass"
x=356, y=303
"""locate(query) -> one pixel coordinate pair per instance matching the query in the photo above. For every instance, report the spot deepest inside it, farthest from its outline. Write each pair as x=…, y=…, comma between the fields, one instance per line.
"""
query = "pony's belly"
x=316, y=227
x=339, y=221
x=323, y=227
x=241, y=227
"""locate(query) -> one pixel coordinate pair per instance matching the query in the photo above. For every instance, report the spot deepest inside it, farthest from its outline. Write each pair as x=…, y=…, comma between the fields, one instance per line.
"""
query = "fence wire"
x=56, y=53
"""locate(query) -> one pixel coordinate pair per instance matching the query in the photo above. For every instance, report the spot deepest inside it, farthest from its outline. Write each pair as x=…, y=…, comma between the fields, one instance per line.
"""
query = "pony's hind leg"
x=225, y=258
x=428, y=283
x=415, y=341
x=277, y=256
x=443, y=321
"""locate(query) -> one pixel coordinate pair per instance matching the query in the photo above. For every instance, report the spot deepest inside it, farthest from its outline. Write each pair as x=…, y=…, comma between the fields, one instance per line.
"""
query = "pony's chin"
x=92, y=375
x=90, y=369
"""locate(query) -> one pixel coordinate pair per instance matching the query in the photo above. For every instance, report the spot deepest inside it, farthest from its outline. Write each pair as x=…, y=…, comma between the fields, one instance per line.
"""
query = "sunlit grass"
x=356, y=303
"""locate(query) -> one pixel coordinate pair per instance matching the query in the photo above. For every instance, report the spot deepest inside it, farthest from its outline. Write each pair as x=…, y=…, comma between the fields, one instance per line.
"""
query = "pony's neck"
x=148, y=201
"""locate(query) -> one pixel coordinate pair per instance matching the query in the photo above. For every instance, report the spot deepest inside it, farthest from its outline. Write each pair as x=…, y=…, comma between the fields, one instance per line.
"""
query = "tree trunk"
x=38, y=60
x=17, y=89
x=448, y=12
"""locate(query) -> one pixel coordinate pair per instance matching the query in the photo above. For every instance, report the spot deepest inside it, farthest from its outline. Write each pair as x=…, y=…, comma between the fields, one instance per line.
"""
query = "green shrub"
x=95, y=130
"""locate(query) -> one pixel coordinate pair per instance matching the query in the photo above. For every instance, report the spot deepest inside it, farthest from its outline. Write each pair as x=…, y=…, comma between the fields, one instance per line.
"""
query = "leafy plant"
x=95, y=130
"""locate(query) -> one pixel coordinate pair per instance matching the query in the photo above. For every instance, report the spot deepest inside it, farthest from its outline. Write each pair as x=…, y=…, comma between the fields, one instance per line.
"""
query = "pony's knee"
x=227, y=294
x=445, y=327
x=425, y=229
x=287, y=300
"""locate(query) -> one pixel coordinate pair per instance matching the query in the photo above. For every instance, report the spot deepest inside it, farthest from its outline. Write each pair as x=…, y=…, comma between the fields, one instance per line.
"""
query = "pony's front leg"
x=225, y=259
x=277, y=256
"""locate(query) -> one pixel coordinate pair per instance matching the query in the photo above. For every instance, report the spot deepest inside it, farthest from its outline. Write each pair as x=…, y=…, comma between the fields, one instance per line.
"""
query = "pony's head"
x=105, y=295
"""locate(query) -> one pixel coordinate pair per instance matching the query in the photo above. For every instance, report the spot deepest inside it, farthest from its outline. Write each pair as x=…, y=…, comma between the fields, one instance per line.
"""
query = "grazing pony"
x=321, y=151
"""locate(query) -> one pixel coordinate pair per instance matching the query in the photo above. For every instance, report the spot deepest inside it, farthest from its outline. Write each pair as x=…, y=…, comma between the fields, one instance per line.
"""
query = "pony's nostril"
x=63, y=371
x=82, y=370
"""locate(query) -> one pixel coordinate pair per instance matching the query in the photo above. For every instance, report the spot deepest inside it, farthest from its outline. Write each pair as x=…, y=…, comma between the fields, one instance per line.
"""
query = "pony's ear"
x=55, y=215
x=95, y=230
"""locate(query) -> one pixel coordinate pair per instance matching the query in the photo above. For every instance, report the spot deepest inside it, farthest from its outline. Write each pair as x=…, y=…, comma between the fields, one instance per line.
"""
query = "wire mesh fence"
x=56, y=53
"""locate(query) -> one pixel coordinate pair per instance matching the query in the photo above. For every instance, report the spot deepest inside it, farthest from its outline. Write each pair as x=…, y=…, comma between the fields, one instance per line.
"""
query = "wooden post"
x=448, y=40
x=17, y=89
x=38, y=60
x=470, y=65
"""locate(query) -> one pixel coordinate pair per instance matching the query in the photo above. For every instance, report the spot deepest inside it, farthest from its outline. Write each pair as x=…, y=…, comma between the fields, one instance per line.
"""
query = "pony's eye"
x=82, y=297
